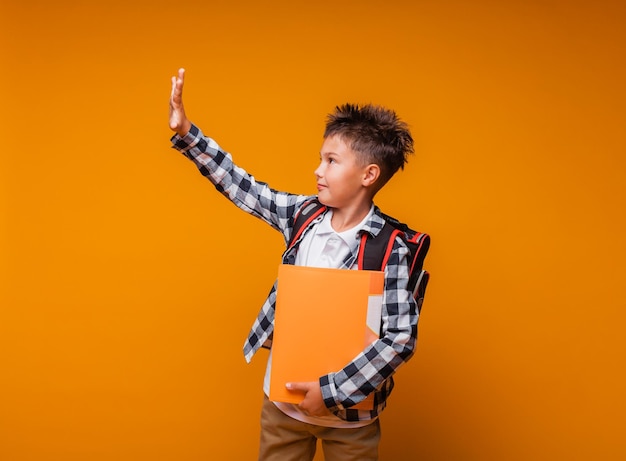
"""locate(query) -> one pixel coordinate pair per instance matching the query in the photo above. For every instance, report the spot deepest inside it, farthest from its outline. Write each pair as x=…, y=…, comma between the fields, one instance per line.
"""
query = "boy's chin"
x=324, y=200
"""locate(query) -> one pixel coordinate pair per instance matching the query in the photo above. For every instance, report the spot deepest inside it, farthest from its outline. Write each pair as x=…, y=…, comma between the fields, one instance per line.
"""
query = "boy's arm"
x=384, y=356
x=257, y=198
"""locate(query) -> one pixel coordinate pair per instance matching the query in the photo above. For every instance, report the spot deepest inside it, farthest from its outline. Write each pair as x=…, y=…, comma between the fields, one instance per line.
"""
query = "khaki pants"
x=286, y=439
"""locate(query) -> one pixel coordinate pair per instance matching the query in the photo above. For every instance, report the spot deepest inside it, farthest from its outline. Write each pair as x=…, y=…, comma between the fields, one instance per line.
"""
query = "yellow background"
x=129, y=284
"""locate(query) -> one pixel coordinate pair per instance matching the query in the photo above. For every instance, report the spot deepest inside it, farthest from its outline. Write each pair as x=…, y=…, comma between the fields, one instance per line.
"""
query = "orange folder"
x=324, y=319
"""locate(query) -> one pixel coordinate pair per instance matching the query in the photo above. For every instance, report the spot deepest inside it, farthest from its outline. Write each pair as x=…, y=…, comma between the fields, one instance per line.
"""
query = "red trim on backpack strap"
x=422, y=238
x=392, y=238
x=306, y=223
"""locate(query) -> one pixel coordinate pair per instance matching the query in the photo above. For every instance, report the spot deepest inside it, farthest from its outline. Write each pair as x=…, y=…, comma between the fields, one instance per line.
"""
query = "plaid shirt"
x=372, y=370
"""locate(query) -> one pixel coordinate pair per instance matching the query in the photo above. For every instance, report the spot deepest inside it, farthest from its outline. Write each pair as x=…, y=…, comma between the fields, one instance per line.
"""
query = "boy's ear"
x=371, y=174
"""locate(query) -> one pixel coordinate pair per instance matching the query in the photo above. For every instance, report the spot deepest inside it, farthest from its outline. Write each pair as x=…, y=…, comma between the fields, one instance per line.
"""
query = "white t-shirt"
x=322, y=247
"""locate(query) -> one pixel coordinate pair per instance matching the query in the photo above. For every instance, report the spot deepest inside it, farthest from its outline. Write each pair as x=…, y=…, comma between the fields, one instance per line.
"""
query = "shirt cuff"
x=328, y=394
x=186, y=142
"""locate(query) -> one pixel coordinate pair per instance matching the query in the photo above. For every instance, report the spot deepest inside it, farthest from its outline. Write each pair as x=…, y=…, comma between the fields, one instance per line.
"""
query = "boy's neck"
x=347, y=217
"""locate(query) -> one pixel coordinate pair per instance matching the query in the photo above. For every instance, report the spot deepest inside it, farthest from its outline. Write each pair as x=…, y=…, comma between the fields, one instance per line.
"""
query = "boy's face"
x=339, y=174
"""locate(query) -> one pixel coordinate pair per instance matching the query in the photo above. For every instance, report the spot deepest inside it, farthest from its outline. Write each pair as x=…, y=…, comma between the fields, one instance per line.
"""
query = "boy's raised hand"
x=178, y=120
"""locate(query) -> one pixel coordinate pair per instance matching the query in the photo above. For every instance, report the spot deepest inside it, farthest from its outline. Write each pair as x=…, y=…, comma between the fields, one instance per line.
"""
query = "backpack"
x=374, y=252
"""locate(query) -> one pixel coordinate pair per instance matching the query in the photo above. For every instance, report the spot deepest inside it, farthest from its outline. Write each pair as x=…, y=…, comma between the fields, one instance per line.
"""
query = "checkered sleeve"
x=255, y=197
x=372, y=370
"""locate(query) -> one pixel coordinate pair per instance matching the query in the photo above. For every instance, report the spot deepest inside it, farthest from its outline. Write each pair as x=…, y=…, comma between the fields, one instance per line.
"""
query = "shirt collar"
x=368, y=224
x=324, y=227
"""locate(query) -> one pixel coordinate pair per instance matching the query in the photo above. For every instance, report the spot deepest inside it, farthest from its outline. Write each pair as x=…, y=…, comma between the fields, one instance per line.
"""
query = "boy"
x=362, y=149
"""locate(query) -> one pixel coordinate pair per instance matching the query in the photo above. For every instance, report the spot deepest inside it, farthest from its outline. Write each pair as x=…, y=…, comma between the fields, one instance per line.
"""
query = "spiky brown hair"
x=374, y=132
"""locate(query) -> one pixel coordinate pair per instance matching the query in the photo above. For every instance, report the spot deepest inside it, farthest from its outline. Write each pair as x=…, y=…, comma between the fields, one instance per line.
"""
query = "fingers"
x=180, y=81
x=313, y=401
x=177, y=83
x=303, y=387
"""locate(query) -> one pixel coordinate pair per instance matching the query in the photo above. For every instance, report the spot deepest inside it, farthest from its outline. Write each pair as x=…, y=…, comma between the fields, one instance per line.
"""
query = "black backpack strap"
x=419, y=244
x=374, y=253
x=309, y=210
